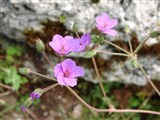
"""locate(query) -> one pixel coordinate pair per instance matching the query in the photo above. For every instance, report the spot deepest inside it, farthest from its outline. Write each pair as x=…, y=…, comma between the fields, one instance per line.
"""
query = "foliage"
x=8, y=70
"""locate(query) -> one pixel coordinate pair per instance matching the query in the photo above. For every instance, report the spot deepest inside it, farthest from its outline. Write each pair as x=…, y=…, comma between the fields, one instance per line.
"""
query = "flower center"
x=66, y=73
x=62, y=49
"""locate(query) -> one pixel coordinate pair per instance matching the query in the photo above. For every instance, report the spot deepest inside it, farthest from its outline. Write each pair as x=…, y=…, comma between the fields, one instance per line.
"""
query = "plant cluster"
x=66, y=71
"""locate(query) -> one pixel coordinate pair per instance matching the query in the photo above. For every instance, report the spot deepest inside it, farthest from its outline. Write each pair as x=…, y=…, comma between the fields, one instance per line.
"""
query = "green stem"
x=117, y=47
x=111, y=53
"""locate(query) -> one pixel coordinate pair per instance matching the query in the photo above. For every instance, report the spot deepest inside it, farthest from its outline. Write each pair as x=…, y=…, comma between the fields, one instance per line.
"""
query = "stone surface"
x=140, y=16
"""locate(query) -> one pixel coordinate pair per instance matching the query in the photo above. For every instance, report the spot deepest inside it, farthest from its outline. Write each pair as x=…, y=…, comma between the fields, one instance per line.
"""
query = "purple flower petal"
x=113, y=23
x=67, y=71
x=78, y=71
x=102, y=19
x=61, y=45
x=68, y=65
x=111, y=32
x=23, y=109
x=60, y=80
x=104, y=24
x=57, y=70
x=81, y=43
x=70, y=81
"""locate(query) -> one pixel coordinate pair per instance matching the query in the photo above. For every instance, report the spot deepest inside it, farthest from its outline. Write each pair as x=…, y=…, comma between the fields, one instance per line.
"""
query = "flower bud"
x=134, y=63
x=27, y=103
x=75, y=27
x=97, y=39
x=154, y=34
x=90, y=54
x=40, y=45
x=24, y=71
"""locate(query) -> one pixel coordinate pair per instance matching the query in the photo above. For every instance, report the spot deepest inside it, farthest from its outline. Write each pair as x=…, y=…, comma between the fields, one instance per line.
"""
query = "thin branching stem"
x=100, y=82
x=44, y=76
x=143, y=41
x=141, y=45
x=130, y=46
x=50, y=87
x=110, y=110
x=117, y=47
x=111, y=53
x=151, y=83
x=46, y=57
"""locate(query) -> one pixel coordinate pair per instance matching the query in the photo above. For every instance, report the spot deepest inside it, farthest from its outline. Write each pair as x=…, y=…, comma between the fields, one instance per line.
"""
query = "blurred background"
x=23, y=21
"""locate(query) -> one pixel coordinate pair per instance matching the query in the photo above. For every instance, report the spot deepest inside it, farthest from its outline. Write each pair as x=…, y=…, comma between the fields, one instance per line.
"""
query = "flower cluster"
x=67, y=71
x=68, y=44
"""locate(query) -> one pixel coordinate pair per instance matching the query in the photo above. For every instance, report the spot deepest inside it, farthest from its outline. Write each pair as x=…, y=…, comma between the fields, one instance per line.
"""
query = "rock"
x=140, y=16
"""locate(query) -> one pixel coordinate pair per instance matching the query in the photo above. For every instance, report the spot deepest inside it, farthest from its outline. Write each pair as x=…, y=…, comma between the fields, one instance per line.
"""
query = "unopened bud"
x=97, y=39
x=90, y=54
x=27, y=103
x=134, y=63
x=24, y=71
x=75, y=27
x=40, y=45
x=154, y=34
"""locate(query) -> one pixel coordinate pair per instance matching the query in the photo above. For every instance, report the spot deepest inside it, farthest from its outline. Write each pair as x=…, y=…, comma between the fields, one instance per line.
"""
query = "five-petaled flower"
x=81, y=43
x=67, y=72
x=62, y=45
x=105, y=24
x=34, y=95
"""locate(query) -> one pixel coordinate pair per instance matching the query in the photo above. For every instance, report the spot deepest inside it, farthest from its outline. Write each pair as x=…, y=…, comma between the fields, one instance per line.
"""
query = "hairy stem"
x=46, y=57
x=44, y=76
x=141, y=45
x=143, y=41
x=111, y=53
x=50, y=87
x=110, y=110
x=117, y=47
x=100, y=82
x=130, y=46
x=151, y=83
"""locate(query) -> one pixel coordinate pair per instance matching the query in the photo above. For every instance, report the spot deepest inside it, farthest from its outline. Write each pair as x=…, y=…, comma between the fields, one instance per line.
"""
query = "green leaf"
x=14, y=50
x=90, y=54
x=62, y=19
x=13, y=78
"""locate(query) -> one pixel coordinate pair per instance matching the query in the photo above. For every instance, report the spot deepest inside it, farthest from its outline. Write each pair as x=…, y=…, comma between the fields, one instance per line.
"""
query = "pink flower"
x=61, y=45
x=67, y=72
x=105, y=24
x=81, y=43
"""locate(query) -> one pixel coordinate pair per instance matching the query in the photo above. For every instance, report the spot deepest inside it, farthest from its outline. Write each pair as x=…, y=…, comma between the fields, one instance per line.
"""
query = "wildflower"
x=81, y=43
x=34, y=95
x=67, y=72
x=23, y=108
x=61, y=45
x=105, y=24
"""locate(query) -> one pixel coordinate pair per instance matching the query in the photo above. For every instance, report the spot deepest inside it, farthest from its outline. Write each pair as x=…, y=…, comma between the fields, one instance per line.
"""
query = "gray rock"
x=140, y=16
